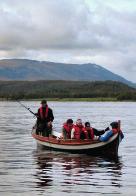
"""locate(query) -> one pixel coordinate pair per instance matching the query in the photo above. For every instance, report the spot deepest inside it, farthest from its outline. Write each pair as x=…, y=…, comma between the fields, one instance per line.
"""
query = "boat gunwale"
x=71, y=142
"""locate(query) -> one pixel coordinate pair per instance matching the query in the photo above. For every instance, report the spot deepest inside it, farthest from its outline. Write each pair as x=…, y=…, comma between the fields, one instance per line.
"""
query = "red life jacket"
x=68, y=130
x=92, y=133
x=43, y=114
x=77, y=132
x=89, y=132
x=85, y=133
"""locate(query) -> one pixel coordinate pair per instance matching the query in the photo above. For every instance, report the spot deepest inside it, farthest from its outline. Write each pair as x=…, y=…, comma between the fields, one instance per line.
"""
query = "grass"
x=75, y=99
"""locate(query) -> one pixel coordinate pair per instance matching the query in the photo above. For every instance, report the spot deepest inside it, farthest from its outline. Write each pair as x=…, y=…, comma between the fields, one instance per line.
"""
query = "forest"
x=112, y=90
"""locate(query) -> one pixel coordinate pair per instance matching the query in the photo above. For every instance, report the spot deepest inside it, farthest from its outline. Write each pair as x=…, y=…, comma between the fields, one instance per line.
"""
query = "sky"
x=71, y=31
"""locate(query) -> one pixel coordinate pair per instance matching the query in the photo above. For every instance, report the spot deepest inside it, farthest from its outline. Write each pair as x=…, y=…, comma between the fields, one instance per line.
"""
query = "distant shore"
x=99, y=99
x=67, y=91
x=82, y=99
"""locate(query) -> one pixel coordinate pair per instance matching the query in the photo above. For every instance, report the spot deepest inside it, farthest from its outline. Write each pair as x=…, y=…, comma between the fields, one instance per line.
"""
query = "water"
x=27, y=170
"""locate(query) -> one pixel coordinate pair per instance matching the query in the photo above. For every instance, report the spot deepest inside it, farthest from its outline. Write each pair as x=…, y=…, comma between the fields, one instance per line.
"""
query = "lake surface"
x=27, y=170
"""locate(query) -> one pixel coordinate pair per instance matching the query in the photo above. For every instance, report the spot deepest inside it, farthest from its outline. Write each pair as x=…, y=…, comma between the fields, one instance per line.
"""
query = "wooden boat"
x=87, y=146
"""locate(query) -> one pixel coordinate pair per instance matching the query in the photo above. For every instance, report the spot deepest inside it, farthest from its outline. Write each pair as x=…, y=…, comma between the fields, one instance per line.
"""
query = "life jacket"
x=43, y=114
x=68, y=130
x=85, y=132
x=89, y=132
x=78, y=131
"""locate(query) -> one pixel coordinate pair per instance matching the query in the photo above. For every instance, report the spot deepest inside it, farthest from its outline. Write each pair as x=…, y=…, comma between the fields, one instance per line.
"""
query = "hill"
x=24, y=69
x=65, y=89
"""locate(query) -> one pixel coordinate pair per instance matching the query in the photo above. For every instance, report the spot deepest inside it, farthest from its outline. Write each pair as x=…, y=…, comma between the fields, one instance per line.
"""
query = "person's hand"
x=49, y=124
x=36, y=114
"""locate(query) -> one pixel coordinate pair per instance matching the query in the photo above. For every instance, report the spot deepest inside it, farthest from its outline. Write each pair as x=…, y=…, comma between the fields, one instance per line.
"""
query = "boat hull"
x=109, y=148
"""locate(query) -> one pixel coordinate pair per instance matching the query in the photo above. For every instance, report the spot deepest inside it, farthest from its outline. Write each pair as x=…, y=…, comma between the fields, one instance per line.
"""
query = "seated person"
x=90, y=132
x=115, y=129
x=76, y=132
x=66, y=129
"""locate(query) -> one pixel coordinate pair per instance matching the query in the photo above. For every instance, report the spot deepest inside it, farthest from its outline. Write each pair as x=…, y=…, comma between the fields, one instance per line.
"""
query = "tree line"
x=66, y=89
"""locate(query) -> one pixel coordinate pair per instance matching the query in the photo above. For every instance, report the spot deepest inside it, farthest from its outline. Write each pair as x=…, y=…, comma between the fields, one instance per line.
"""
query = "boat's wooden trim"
x=71, y=144
x=95, y=147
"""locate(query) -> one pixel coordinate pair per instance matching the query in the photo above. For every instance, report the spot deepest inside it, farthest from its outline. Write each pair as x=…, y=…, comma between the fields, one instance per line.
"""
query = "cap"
x=43, y=102
x=87, y=124
x=70, y=121
x=114, y=125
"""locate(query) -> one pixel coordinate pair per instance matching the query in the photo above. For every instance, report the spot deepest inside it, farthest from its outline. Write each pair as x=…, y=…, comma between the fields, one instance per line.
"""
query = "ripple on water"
x=26, y=169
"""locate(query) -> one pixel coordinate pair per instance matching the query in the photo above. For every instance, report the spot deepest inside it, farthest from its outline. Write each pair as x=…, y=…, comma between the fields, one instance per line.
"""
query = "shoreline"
x=99, y=99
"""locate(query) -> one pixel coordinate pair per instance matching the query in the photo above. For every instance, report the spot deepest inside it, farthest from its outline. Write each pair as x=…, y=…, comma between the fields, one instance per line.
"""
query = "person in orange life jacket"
x=44, y=119
x=66, y=129
x=76, y=132
x=90, y=132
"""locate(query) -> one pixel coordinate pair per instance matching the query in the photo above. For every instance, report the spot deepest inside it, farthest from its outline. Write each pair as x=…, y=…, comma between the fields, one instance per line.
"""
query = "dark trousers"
x=43, y=129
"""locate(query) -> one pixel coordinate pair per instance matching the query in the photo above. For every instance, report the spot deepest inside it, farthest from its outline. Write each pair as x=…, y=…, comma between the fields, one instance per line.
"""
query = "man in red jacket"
x=44, y=119
x=90, y=132
x=77, y=130
x=66, y=129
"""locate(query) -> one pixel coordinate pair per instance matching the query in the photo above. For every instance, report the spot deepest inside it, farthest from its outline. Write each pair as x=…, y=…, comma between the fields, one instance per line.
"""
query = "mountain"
x=24, y=69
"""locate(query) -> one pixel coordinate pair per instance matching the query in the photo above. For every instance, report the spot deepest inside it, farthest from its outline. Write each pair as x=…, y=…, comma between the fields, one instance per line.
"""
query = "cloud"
x=75, y=31
x=50, y=24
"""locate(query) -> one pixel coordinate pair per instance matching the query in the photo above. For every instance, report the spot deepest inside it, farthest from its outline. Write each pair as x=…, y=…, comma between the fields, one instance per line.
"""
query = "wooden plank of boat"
x=80, y=146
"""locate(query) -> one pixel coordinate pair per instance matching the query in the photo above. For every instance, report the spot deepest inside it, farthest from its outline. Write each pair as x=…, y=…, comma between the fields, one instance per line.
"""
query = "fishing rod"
x=26, y=108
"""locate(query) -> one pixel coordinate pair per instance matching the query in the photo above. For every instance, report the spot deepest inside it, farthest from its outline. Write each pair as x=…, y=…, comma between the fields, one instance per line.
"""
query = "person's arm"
x=51, y=116
x=72, y=133
x=64, y=135
x=97, y=132
x=38, y=114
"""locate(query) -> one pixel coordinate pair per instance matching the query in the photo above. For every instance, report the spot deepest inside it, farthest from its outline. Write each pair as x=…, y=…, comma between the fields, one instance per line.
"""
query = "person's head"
x=70, y=122
x=114, y=125
x=79, y=122
x=43, y=103
x=87, y=125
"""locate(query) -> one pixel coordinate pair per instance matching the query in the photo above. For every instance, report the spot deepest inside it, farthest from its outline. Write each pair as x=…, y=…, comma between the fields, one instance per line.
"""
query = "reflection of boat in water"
x=65, y=169
x=87, y=146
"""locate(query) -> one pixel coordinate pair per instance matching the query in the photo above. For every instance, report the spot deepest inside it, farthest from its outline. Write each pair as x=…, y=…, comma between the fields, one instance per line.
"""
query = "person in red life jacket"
x=44, y=119
x=90, y=132
x=66, y=129
x=76, y=132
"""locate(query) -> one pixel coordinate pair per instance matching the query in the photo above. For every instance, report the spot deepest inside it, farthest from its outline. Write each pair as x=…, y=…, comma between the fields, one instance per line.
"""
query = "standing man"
x=44, y=119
